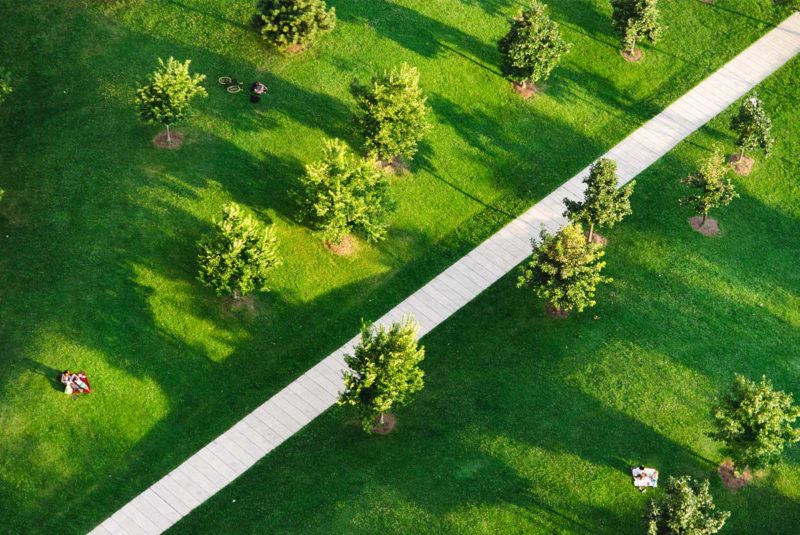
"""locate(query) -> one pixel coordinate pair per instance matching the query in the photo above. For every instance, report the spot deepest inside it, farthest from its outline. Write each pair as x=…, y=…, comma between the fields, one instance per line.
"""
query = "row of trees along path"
x=353, y=374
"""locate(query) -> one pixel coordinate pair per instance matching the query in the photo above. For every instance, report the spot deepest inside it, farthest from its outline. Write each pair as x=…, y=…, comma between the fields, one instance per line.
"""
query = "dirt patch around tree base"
x=295, y=49
x=742, y=165
x=397, y=166
x=161, y=141
x=599, y=239
x=553, y=312
x=389, y=421
x=709, y=228
x=344, y=247
x=730, y=479
x=632, y=57
x=527, y=90
x=246, y=304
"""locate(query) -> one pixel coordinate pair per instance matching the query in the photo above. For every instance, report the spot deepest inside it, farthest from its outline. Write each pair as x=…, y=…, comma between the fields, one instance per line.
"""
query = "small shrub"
x=533, y=46
x=686, y=508
x=565, y=269
x=343, y=193
x=238, y=257
x=755, y=422
x=290, y=25
x=166, y=97
x=752, y=126
x=714, y=189
x=635, y=20
x=384, y=371
x=394, y=113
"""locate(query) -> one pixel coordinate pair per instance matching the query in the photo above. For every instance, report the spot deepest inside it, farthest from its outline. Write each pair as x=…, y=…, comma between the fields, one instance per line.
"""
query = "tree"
x=167, y=96
x=533, y=46
x=237, y=258
x=686, y=508
x=752, y=126
x=755, y=422
x=291, y=25
x=5, y=84
x=394, y=114
x=384, y=371
x=342, y=193
x=715, y=189
x=565, y=269
x=603, y=204
x=635, y=20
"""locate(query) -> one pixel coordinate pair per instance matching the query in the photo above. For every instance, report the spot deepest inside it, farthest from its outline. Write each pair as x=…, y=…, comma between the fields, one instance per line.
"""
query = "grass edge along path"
x=232, y=453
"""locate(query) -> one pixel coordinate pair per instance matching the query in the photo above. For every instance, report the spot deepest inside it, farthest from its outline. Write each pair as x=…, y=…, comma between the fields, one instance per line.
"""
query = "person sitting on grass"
x=644, y=477
x=256, y=90
x=76, y=383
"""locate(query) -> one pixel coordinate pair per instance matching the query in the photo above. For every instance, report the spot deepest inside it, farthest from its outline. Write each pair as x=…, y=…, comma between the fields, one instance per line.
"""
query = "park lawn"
x=99, y=229
x=531, y=425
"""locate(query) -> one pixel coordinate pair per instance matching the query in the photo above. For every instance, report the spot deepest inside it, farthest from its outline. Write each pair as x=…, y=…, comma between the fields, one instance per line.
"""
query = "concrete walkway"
x=258, y=433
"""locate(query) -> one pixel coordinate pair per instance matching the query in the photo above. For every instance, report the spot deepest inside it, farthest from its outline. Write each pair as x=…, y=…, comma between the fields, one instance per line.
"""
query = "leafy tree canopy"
x=635, y=20
x=166, y=97
x=293, y=23
x=686, y=508
x=711, y=182
x=753, y=127
x=603, y=204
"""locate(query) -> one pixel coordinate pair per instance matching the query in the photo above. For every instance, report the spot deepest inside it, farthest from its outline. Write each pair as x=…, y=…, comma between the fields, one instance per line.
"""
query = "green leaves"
x=603, y=204
x=394, y=113
x=686, y=508
x=715, y=189
x=5, y=84
x=238, y=256
x=753, y=127
x=565, y=269
x=635, y=20
x=166, y=98
x=342, y=193
x=533, y=46
x=755, y=422
x=293, y=23
x=384, y=370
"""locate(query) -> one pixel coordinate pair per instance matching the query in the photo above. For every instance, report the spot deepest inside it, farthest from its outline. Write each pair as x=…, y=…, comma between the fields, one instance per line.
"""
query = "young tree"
x=533, y=46
x=635, y=20
x=237, y=258
x=603, y=204
x=384, y=371
x=715, y=189
x=752, y=126
x=5, y=84
x=291, y=25
x=755, y=422
x=342, y=193
x=565, y=269
x=686, y=508
x=394, y=114
x=166, y=97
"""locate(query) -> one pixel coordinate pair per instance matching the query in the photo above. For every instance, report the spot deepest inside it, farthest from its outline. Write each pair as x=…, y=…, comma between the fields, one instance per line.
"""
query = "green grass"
x=530, y=425
x=99, y=229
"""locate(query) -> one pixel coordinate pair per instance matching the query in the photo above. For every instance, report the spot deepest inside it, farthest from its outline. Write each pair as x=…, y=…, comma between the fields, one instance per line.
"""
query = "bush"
x=603, y=204
x=293, y=24
x=167, y=96
x=755, y=422
x=686, y=508
x=635, y=20
x=714, y=188
x=533, y=46
x=394, y=114
x=565, y=269
x=752, y=126
x=384, y=371
x=237, y=258
x=342, y=193
x=5, y=84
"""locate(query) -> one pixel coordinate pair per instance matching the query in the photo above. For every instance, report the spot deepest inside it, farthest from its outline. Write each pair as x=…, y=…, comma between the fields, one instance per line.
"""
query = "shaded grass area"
x=531, y=425
x=99, y=229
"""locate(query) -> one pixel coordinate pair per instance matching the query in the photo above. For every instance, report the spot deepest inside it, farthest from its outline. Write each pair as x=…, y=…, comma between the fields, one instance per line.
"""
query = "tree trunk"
x=741, y=153
x=380, y=419
x=705, y=215
x=169, y=139
x=236, y=294
x=591, y=233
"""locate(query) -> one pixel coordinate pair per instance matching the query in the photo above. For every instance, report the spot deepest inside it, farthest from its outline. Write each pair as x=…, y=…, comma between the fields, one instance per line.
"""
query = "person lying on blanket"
x=644, y=477
x=75, y=383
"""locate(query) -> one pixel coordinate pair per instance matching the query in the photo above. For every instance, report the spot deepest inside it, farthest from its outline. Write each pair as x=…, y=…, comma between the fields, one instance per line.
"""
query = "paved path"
x=258, y=433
